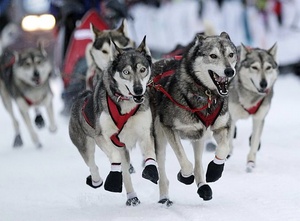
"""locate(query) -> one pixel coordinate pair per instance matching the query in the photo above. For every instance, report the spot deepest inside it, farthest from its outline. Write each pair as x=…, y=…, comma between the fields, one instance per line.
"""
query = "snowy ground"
x=49, y=184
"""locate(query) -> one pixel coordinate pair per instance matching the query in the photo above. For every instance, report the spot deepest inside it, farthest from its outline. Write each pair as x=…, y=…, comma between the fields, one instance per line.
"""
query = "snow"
x=49, y=184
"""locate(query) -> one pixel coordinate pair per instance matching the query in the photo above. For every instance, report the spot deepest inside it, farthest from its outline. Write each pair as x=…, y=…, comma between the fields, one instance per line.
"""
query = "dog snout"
x=229, y=72
x=36, y=74
x=138, y=90
x=263, y=83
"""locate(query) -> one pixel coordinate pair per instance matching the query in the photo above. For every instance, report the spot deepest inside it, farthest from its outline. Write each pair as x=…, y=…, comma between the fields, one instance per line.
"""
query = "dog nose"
x=229, y=72
x=263, y=83
x=36, y=74
x=138, y=90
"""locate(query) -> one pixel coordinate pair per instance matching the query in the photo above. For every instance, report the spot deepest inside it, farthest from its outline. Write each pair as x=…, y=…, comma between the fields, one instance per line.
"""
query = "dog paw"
x=93, y=184
x=133, y=202
x=150, y=173
x=186, y=180
x=250, y=167
x=166, y=202
x=18, y=142
x=39, y=121
x=205, y=192
x=114, y=182
x=214, y=171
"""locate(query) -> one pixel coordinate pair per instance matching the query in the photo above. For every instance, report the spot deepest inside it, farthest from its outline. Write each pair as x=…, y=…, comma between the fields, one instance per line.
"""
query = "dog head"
x=101, y=43
x=130, y=69
x=213, y=60
x=32, y=66
x=258, y=69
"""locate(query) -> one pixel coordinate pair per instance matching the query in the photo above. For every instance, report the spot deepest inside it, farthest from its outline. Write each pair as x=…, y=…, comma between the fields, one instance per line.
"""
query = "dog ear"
x=114, y=50
x=244, y=51
x=143, y=48
x=225, y=35
x=273, y=51
x=41, y=47
x=95, y=31
x=123, y=28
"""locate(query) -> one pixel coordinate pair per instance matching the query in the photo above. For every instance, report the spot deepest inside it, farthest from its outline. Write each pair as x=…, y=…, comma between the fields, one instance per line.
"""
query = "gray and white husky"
x=251, y=93
x=25, y=79
x=116, y=116
x=97, y=52
x=190, y=102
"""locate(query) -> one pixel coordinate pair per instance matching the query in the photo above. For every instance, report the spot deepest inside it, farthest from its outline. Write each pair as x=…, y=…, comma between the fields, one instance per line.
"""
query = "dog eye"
x=104, y=52
x=268, y=68
x=254, y=68
x=213, y=56
x=142, y=70
x=231, y=55
x=125, y=72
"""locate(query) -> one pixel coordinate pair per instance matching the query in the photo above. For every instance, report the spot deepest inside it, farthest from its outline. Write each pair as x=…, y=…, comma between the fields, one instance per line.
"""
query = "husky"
x=116, y=116
x=97, y=52
x=251, y=93
x=190, y=102
x=24, y=78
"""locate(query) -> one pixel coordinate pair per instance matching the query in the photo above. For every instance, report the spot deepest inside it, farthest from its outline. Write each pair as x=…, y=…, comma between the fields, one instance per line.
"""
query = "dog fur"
x=25, y=79
x=97, y=52
x=251, y=93
x=124, y=85
x=199, y=86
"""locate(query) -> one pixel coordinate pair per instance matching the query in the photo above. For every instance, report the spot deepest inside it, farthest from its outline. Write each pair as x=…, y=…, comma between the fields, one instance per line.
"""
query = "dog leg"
x=204, y=191
x=114, y=179
x=25, y=115
x=50, y=112
x=257, y=129
x=185, y=175
x=132, y=199
x=160, y=149
x=39, y=120
x=215, y=167
x=7, y=102
x=87, y=151
x=232, y=135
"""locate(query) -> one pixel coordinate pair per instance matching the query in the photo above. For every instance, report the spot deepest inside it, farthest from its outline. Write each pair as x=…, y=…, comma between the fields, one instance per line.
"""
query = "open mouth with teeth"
x=138, y=99
x=220, y=82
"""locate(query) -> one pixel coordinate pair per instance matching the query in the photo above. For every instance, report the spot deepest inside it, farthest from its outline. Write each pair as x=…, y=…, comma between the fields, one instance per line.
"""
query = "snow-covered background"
x=49, y=184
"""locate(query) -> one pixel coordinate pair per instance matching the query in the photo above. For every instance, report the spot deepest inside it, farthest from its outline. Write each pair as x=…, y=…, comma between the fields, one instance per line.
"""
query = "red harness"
x=208, y=119
x=119, y=119
x=254, y=109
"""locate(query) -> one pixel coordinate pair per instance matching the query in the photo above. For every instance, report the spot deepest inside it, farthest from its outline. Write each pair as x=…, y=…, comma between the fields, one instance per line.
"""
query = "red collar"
x=119, y=119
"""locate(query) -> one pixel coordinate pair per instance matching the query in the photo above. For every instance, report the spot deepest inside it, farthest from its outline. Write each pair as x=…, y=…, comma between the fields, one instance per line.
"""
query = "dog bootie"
x=113, y=182
x=187, y=180
x=150, y=171
x=39, y=121
x=214, y=170
x=93, y=184
x=205, y=192
x=133, y=202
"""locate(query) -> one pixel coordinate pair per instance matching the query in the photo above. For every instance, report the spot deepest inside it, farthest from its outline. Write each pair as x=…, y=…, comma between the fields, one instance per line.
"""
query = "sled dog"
x=116, y=116
x=25, y=79
x=251, y=93
x=188, y=103
x=97, y=52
